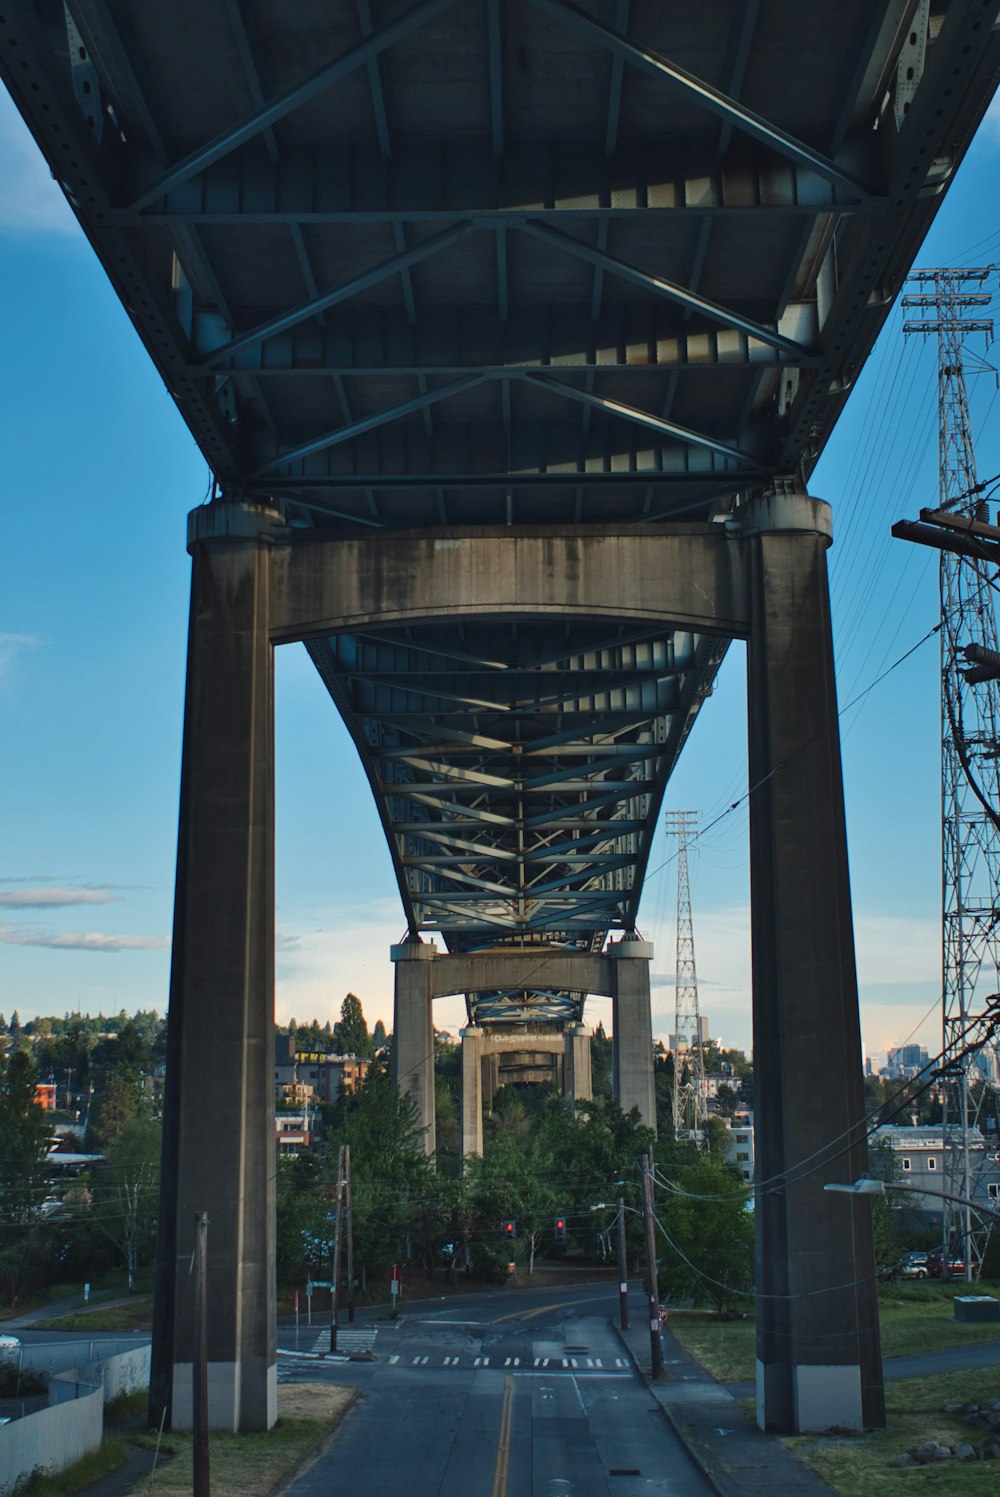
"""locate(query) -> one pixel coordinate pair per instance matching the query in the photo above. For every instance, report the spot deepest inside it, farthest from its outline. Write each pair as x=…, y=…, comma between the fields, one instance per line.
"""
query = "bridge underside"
x=506, y=328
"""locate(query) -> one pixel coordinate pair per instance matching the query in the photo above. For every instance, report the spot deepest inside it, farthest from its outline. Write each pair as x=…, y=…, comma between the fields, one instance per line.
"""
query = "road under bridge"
x=512, y=331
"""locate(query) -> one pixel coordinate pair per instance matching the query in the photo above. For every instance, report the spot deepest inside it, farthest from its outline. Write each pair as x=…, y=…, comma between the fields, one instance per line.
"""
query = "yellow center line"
x=595, y=1299
x=503, y=1443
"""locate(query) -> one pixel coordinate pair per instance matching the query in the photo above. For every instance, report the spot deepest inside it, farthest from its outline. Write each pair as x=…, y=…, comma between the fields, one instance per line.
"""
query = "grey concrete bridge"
x=512, y=331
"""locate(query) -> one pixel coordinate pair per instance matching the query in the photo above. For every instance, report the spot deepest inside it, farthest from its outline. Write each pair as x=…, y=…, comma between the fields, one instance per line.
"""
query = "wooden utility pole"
x=655, y=1349
x=622, y=1268
x=199, y=1381
x=335, y=1286
x=350, y=1234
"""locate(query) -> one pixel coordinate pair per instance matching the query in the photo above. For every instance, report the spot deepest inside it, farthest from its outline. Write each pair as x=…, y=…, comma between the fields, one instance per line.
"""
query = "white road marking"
x=394, y=1360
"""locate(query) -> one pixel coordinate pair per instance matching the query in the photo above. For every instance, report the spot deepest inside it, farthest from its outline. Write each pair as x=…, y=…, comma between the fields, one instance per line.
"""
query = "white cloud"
x=323, y=955
x=51, y=898
x=78, y=940
x=12, y=646
x=31, y=201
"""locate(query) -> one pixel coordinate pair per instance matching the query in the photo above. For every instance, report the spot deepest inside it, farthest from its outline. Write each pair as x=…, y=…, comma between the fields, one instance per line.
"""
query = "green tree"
x=708, y=1237
x=125, y=1190
x=352, y=1030
x=392, y=1180
x=24, y=1137
x=303, y=1231
x=379, y=1036
x=123, y=1101
x=600, y=1062
x=512, y=1181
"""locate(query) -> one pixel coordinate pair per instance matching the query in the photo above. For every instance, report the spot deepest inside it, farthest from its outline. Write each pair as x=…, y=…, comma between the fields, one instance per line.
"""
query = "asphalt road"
x=518, y=1394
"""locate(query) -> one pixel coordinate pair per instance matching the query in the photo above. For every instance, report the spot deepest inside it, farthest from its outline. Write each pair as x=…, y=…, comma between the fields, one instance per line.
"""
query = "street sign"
x=321, y=1284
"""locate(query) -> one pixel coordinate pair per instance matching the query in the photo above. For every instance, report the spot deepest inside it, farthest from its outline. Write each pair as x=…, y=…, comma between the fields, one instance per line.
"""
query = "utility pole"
x=655, y=1348
x=951, y=305
x=687, y=1020
x=622, y=1268
x=335, y=1286
x=201, y=1484
x=350, y=1233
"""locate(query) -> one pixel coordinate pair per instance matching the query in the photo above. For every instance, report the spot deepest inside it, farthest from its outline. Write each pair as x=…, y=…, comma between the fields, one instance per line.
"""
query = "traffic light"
x=508, y=1230
x=560, y=1226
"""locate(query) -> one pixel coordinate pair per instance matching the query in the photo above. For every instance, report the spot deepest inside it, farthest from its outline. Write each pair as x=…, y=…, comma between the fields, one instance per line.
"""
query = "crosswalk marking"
x=394, y=1359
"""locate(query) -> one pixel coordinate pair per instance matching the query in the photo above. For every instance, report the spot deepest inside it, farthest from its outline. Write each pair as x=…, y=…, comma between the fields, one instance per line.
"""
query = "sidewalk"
x=724, y=1442
x=57, y=1307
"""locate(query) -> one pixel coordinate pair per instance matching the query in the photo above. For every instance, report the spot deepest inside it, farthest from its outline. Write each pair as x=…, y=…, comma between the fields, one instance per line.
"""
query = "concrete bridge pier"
x=818, y=1359
x=218, y=1136
x=632, y=1041
x=472, y=1090
x=413, y=1033
x=577, y=1082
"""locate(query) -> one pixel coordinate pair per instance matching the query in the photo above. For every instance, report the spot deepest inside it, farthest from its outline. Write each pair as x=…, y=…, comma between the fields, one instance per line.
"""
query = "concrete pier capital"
x=626, y=948
x=413, y=951
x=239, y=521
x=471, y=1032
x=786, y=509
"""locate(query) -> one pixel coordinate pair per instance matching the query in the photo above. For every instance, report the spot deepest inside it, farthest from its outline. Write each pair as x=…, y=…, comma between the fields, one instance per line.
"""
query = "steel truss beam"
x=514, y=833
x=730, y=111
x=286, y=103
x=440, y=181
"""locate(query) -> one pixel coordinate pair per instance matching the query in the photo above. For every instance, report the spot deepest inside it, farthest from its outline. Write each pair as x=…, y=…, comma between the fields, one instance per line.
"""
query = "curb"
x=668, y=1414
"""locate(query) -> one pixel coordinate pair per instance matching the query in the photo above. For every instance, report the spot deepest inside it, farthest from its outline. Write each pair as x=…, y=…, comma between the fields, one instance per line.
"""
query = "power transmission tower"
x=690, y=1107
x=950, y=304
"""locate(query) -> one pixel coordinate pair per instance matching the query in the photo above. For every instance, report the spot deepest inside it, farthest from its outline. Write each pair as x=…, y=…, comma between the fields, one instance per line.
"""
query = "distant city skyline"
x=100, y=476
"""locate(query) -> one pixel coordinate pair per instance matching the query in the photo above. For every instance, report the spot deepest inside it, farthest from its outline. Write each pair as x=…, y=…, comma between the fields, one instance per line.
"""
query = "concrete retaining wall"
x=52, y=1438
x=73, y=1424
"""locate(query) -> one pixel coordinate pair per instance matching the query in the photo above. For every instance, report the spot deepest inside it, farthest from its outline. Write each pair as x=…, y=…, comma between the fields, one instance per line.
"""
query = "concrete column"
x=472, y=1090
x=413, y=1033
x=577, y=1085
x=818, y=1356
x=632, y=1047
x=218, y=1146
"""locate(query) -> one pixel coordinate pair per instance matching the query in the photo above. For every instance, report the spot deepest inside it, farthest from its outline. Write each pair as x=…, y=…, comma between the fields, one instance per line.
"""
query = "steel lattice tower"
x=687, y=1021
x=948, y=302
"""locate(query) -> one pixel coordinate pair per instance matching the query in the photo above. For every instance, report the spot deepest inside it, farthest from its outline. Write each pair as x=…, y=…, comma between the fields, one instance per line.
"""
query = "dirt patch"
x=312, y=1400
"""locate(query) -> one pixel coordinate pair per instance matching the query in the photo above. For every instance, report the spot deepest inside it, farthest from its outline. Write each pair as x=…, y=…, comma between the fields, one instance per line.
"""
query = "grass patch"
x=915, y=1412
x=913, y=1318
x=125, y=1407
x=137, y=1315
x=727, y=1348
x=255, y=1465
x=108, y=1457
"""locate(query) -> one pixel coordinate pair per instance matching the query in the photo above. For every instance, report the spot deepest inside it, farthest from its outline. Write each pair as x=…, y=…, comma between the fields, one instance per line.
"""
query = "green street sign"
x=321, y=1284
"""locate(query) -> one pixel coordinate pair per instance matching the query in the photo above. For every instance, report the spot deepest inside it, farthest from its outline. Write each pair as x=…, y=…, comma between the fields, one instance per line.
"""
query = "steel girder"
x=519, y=767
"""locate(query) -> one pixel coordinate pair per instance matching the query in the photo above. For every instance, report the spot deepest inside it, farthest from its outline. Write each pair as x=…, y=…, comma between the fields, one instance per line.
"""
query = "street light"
x=869, y=1187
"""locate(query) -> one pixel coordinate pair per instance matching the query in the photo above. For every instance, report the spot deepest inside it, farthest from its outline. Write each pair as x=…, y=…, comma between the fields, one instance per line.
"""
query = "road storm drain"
x=574, y=1351
x=624, y=1471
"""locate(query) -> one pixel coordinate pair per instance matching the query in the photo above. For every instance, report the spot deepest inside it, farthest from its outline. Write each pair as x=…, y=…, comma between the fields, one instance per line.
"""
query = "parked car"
x=10, y=1349
x=910, y=1266
x=955, y=1265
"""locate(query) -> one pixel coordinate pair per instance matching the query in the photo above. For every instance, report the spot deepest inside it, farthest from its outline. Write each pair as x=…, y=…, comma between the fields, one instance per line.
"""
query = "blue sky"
x=100, y=473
